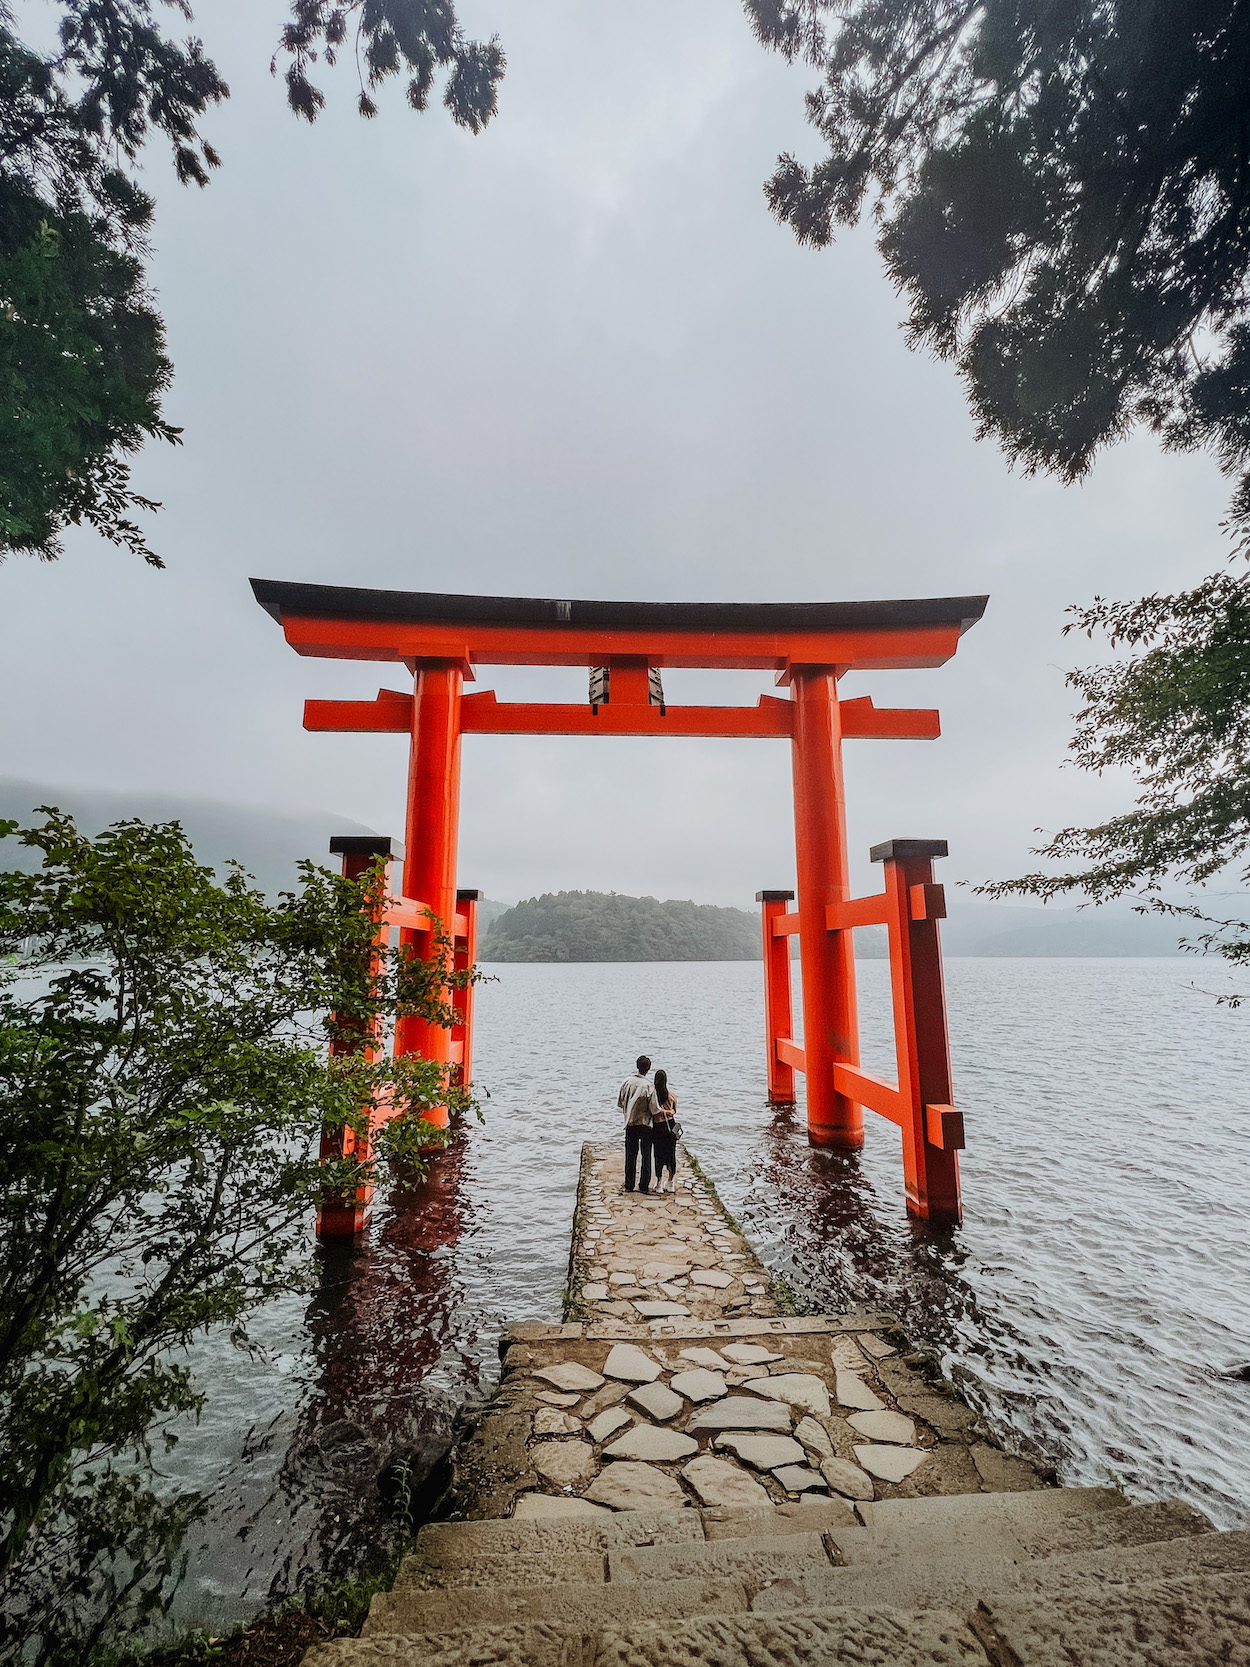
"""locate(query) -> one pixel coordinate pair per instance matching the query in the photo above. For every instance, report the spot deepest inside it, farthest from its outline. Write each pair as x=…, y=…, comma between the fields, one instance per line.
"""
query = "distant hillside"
x=488, y=913
x=999, y=930
x=267, y=842
x=602, y=926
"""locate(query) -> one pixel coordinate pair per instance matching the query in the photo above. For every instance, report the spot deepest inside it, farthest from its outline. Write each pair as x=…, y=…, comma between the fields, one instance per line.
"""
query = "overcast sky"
x=572, y=357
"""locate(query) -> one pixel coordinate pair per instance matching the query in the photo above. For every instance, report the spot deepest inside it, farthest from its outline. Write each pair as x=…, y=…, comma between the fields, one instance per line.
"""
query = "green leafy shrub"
x=166, y=1071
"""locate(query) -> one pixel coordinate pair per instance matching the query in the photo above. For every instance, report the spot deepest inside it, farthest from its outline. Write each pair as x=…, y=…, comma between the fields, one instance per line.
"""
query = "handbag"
x=678, y=1132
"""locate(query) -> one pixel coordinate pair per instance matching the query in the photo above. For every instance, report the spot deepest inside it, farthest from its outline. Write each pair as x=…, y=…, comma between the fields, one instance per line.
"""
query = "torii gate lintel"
x=808, y=647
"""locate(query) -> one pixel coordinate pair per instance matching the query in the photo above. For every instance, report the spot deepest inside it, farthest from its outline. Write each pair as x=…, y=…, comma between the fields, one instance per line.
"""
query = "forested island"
x=604, y=926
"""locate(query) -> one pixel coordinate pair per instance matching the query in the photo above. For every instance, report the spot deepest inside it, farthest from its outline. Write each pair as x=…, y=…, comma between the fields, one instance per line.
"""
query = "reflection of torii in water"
x=626, y=645
x=392, y=1332
x=382, y=1323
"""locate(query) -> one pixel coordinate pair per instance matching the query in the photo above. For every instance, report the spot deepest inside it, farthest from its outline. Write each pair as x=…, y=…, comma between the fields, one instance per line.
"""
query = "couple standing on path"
x=651, y=1128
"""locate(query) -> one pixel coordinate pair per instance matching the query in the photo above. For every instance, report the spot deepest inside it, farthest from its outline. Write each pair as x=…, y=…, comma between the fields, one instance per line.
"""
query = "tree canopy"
x=1176, y=714
x=1063, y=197
x=82, y=350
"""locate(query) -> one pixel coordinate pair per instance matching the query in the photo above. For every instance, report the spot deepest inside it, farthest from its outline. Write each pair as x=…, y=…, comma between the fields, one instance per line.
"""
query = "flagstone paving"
x=661, y=1403
x=700, y=1391
x=668, y=1477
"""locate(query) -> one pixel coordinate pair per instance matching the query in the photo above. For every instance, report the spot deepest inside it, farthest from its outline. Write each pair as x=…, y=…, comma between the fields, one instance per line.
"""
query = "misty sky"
x=573, y=357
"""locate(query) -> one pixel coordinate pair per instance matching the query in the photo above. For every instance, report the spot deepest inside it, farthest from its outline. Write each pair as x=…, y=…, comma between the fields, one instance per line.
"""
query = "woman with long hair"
x=663, y=1136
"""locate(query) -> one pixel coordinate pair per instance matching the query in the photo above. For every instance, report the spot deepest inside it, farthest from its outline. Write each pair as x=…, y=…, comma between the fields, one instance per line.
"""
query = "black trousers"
x=664, y=1149
x=638, y=1152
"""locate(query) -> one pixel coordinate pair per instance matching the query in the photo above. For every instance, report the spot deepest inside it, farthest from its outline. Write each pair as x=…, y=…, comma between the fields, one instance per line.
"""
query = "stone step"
x=784, y=1572
x=813, y=1640
x=750, y=1558
x=1128, y=1525
x=506, y=1552
x=568, y=1605
x=797, y=1567
x=750, y=1561
x=1031, y=1505
x=500, y=1646
x=454, y=1543
x=990, y=1524
x=890, y=1637
x=507, y=1568
x=960, y=1580
x=1194, y=1622
x=1197, y=1619
x=813, y=1513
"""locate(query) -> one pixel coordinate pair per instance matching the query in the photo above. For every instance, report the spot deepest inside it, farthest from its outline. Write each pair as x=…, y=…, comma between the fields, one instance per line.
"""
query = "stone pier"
x=683, y=1473
x=678, y=1378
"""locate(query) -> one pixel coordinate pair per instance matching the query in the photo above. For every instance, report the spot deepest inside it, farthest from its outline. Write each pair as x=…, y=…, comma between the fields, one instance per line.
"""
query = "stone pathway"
x=681, y=1474
x=658, y=1257
x=678, y=1381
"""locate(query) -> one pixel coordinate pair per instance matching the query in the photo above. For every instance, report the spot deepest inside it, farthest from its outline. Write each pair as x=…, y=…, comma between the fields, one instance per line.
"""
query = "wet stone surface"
x=727, y=1401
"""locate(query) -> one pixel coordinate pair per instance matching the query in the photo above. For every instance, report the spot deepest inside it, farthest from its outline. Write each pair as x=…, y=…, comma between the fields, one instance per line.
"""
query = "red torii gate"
x=626, y=645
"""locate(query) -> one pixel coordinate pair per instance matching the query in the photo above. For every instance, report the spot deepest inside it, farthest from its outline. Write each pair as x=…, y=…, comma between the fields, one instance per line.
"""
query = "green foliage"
x=598, y=926
x=82, y=368
x=167, y=1063
x=82, y=352
x=1061, y=196
x=416, y=38
x=338, y=1608
x=1176, y=713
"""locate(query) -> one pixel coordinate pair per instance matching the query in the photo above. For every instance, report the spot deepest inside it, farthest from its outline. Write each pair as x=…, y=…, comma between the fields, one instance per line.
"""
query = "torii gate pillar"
x=827, y=959
x=431, y=836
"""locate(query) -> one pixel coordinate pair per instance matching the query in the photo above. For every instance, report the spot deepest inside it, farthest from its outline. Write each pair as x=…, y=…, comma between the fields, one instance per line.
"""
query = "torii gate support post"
x=932, y=1129
x=778, y=1003
x=462, y=1000
x=341, y=1216
x=830, y=1021
x=431, y=836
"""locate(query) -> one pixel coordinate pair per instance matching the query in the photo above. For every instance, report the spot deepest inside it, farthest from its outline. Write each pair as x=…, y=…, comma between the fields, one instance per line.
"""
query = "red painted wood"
x=791, y=1054
x=430, y=839
x=830, y=1024
x=890, y=649
x=483, y=714
x=930, y=1172
x=870, y=1090
x=944, y=1126
x=928, y=902
x=339, y=1215
x=462, y=1000
x=807, y=660
x=778, y=1004
x=856, y=911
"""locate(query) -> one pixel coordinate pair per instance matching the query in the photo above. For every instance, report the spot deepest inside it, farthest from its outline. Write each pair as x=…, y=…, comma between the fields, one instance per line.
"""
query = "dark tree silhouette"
x=82, y=349
x=1063, y=198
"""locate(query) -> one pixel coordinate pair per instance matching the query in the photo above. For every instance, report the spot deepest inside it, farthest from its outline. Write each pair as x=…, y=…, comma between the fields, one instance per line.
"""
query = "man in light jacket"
x=637, y=1100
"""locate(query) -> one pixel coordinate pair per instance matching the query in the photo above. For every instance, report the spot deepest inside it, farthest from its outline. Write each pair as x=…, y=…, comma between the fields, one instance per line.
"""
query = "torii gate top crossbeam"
x=342, y=622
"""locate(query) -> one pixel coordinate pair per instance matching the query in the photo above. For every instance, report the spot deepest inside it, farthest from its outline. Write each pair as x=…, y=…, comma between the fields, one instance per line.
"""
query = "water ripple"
x=1087, y=1305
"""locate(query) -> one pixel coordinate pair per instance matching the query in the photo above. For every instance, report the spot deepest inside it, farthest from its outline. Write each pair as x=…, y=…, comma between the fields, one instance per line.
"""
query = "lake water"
x=1098, y=1285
